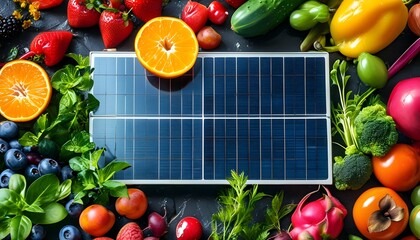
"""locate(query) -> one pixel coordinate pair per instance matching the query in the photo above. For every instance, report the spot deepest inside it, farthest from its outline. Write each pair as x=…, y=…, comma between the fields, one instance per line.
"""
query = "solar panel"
x=264, y=114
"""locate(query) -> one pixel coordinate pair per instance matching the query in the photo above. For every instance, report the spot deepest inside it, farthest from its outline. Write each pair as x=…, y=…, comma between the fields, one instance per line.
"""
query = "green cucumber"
x=257, y=17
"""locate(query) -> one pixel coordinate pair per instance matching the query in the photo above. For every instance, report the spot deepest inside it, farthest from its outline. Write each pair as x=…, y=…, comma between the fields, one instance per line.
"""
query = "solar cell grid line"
x=266, y=114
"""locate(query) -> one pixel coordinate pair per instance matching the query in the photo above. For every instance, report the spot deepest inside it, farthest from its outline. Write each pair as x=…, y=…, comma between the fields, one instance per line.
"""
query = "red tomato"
x=195, y=15
x=368, y=206
x=217, y=12
x=96, y=220
x=134, y=206
x=45, y=4
x=208, y=38
x=189, y=228
x=399, y=169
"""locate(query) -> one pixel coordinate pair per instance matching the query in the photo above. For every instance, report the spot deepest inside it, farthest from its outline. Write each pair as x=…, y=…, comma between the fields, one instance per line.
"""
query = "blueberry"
x=38, y=232
x=70, y=232
x=48, y=165
x=32, y=172
x=4, y=146
x=8, y=130
x=15, y=159
x=74, y=209
x=66, y=173
x=14, y=143
x=5, y=177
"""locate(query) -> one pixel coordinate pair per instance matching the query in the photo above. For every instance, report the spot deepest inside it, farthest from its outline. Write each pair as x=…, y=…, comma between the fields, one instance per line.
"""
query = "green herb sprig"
x=20, y=207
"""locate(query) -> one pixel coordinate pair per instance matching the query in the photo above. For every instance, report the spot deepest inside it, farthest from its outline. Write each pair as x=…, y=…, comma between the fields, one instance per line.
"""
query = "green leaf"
x=64, y=189
x=81, y=60
x=92, y=104
x=20, y=227
x=80, y=143
x=43, y=190
x=4, y=227
x=88, y=179
x=110, y=169
x=17, y=183
x=10, y=201
x=116, y=188
x=79, y=164
x=28, y=139
x=95, y=156
x=53, y=213
x=34, y=207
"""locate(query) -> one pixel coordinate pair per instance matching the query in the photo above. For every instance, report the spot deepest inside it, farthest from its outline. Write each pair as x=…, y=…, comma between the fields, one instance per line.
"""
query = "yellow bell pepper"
x=367, y=25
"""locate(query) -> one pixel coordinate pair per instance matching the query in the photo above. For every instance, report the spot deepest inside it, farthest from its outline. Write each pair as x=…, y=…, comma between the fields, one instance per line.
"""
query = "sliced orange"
x=25, y=90
x=166, y=46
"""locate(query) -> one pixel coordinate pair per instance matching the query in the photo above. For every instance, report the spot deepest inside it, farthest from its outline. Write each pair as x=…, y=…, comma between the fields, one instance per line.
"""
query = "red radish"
x=404, y=107
x=157, y=224
x=189, y=228
x=52, y=46
x=318, y=218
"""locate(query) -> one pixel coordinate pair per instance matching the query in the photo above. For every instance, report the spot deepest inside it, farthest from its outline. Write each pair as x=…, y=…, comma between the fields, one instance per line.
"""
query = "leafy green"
x=235, y=220
x=21, y=207
x=73, y=83
x=92, y=181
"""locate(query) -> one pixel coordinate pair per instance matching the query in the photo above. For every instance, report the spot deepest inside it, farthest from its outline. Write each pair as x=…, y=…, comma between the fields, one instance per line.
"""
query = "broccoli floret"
x=375, y=130
x=352, y=171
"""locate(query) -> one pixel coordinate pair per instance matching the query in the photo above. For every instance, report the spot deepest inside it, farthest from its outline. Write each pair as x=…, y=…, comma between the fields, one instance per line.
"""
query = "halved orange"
x=25, y=90
x=166, y=46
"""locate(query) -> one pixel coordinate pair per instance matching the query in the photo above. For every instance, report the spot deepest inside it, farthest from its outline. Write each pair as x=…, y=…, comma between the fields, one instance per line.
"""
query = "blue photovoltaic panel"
x=264, y=114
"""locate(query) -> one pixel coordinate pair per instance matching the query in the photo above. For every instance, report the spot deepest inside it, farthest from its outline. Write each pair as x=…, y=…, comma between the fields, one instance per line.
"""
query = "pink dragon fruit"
x=317, y=219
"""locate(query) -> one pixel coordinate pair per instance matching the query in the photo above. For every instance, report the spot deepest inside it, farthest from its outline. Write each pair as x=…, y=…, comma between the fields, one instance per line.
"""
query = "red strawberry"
x=115, y=27
x=51, y=45
x=45, y=4
x=79, y=15
x=145, y=9
x=235, y=3
x=130, y=231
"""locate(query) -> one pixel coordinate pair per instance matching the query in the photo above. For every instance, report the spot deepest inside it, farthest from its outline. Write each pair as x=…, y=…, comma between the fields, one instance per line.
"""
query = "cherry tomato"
x=415, y=196
x=134, y=206
x=195, y=15
x=372, y=70
x=415, y=221
x=189, y=228
x=399, y=169
x=217, y=12
x=367, y=205
x=414, y=19
x=208, y=38
x=96, y=220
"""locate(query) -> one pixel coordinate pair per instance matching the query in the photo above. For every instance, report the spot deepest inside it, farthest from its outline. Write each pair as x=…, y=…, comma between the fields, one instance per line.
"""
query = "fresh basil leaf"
x=17, y=183
x=79, y=164
x=10, y=201
x=41, y=124
x=95, y=156
x=53, y=213
x=43, y=190
x=116, y=188
x=79, y=196
x=64, y=79
x=80, y=59
x=4, y=227
x=68, y=102
x=88, y=179
x=64, y=190
x=34, y=207
x=20, y=227
x=110, y=169
x=92, y=103
x=28, y=139
x=80, y=143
